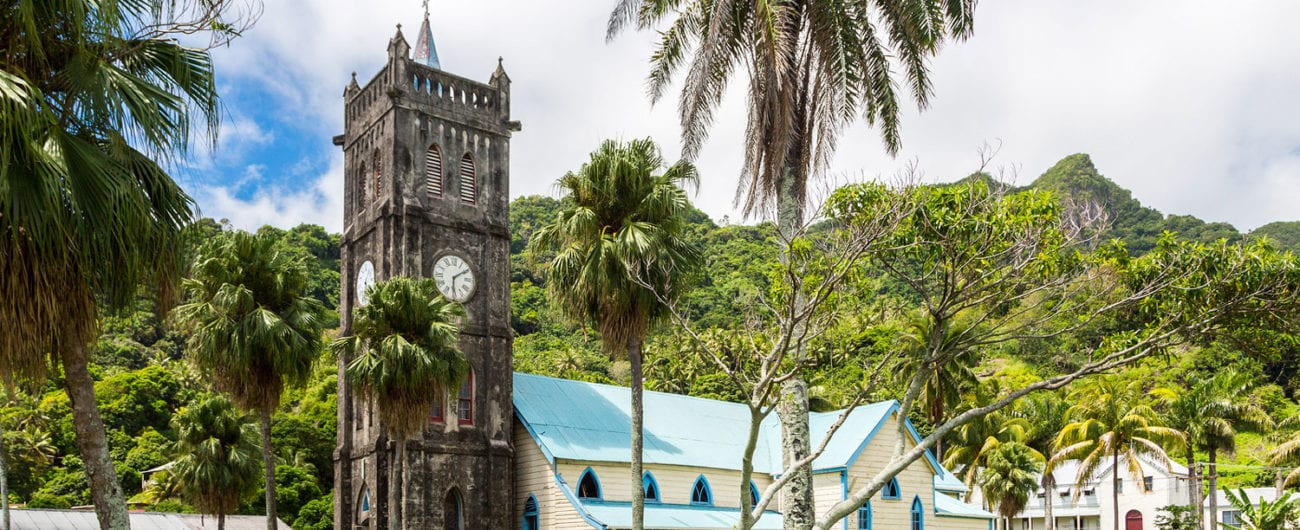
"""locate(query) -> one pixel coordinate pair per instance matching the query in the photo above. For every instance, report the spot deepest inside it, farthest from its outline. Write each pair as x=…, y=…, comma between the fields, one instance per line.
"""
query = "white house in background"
x=1139, y=500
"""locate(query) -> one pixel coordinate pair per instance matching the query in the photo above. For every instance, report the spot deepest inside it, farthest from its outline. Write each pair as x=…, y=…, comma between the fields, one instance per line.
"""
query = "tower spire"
x=426, y=52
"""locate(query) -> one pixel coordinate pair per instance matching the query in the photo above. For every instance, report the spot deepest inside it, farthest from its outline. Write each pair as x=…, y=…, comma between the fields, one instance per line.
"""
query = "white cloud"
x=321, y=202
x=1190, y=105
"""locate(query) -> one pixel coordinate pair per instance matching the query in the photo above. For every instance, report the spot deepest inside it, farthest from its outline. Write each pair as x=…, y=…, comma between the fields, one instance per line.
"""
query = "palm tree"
x=1044, y=416
x=252, y=327
x=1110, y=420
x=621, y=255
x=1280, y=514
x=944, y=388
x=1009, y=477
x=814, y=66
x=87, y=216
x=1209, y=414
x=978, y=440
x=216, y=456
x=404, y=342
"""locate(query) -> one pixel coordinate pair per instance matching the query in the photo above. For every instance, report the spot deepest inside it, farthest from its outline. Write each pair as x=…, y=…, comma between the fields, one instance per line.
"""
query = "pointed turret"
x=499, y=77
x=425, y=51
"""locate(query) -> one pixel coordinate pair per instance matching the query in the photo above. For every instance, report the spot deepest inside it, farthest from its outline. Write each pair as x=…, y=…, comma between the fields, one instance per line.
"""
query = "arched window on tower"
x=379, y=176
x=468, y=186
x=433, y=172
x=362, y=180
x=465, y=401
x=532, y=515
x=452, y=518
x=363, y=504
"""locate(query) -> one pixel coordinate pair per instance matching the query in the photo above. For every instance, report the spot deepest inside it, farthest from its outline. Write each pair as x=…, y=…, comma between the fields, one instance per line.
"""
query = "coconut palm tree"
x=978, y=440
x=1009, y=477
x=814, y=67
x=1209, y=413
x=89, y=104
x=1109, y=421
x=216, y=457
x=620, y=254
x=1044, y=416
x=252, y=326
x=404, y=342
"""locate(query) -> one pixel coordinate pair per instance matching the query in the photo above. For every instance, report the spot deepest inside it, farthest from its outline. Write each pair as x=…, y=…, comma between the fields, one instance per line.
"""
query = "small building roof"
x=426, y=53
x=25, y=519
x=673, y=516
x=953, y=507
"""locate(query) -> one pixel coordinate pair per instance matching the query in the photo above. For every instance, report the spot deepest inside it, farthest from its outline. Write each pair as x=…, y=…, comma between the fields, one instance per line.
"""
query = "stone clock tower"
x=426, y=187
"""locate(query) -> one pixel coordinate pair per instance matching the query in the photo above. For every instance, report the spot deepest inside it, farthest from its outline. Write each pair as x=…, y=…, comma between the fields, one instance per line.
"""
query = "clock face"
x=365, y=278
x=454, y=278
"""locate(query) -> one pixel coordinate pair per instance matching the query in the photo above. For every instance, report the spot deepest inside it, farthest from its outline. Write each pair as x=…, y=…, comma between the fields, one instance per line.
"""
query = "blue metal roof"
x=667, y=516
x=951, y=506
x=426, y=53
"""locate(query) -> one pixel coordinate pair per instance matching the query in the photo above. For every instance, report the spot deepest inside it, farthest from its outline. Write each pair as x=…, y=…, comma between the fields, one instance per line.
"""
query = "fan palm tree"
x=1109, y=421
x=1280, y=514
x=87, y=213
x=944, y=388
x=978, y=440
x=252, y=327
x=814, y=67
x=1044, y=416
x=1209, y=414
x=404, y=342
x=216, y=456
x=620, y=254
x=1009, y=477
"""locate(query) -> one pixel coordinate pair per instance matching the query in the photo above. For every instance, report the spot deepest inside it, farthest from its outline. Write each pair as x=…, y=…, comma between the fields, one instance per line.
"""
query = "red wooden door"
x=1133, y=521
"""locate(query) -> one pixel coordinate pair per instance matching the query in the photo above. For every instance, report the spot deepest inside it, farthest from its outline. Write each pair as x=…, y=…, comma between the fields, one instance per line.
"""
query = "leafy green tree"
x=814, y=66
x=1110, y=420
x=405, y=341
x=252, y=327
x=216, y=456
x=1281, y=514
x=1009, y=476
x=316, y=515
x=87, y=213
x=619, y=248
x=295, y=487
x=1209, y=414
x=1178, y=517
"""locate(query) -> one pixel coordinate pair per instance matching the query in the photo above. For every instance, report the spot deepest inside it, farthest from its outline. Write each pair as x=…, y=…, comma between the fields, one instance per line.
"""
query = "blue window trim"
x=918, y=514
x=647, y=479
x=753, y=494
x=707, y=491
x=535, y=511
x=898, y=492
x=595, y=479
x=864, y=516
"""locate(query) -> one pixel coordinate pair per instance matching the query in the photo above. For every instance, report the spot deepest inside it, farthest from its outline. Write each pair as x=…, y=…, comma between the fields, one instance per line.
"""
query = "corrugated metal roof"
x=950, y=506
x=25, y=519
x=675, y=516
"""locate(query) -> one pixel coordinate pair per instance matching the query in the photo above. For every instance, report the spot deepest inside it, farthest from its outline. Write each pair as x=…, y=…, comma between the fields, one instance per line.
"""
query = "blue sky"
x=1192, y=105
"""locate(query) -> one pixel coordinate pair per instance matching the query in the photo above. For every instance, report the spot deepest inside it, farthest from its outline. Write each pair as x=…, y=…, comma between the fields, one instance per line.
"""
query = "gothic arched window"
x=651, y=487
x=531, y=514
x=753, y=494
x=918, y=518
x=362, y=185
x=468, y=187
x=452, y=518
x=465, y=401
x=433, y=171
x=588, y=485
x=379, y=175
x=891, y=490
x=864, y=516
x=701, y=493
x=363, y=503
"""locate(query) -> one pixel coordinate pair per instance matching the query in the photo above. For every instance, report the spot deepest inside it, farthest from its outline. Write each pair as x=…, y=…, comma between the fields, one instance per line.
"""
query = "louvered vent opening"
x=433, y=172
x=468, y=188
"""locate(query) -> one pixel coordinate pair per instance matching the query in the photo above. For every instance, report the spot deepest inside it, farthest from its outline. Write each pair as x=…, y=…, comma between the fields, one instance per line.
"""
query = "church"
x=426, y=187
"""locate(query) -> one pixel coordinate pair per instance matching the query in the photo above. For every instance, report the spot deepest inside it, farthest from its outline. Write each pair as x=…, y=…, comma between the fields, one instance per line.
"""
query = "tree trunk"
x=268, y=461
x=399, y=508
x=1049, y=497
x=799, y=510
x=1214, y=490
x=221, y=521
x=1114, y=487
x=1193, y=487
x=638, y=493
x=4, y=486
x=92, y=443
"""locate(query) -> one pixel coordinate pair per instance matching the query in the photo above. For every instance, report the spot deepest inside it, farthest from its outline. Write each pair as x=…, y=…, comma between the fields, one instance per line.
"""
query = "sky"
x=1192, y=105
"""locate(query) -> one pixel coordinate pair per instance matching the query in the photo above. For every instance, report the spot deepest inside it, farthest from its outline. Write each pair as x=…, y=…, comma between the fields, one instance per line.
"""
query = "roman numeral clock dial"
x=454, y=277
